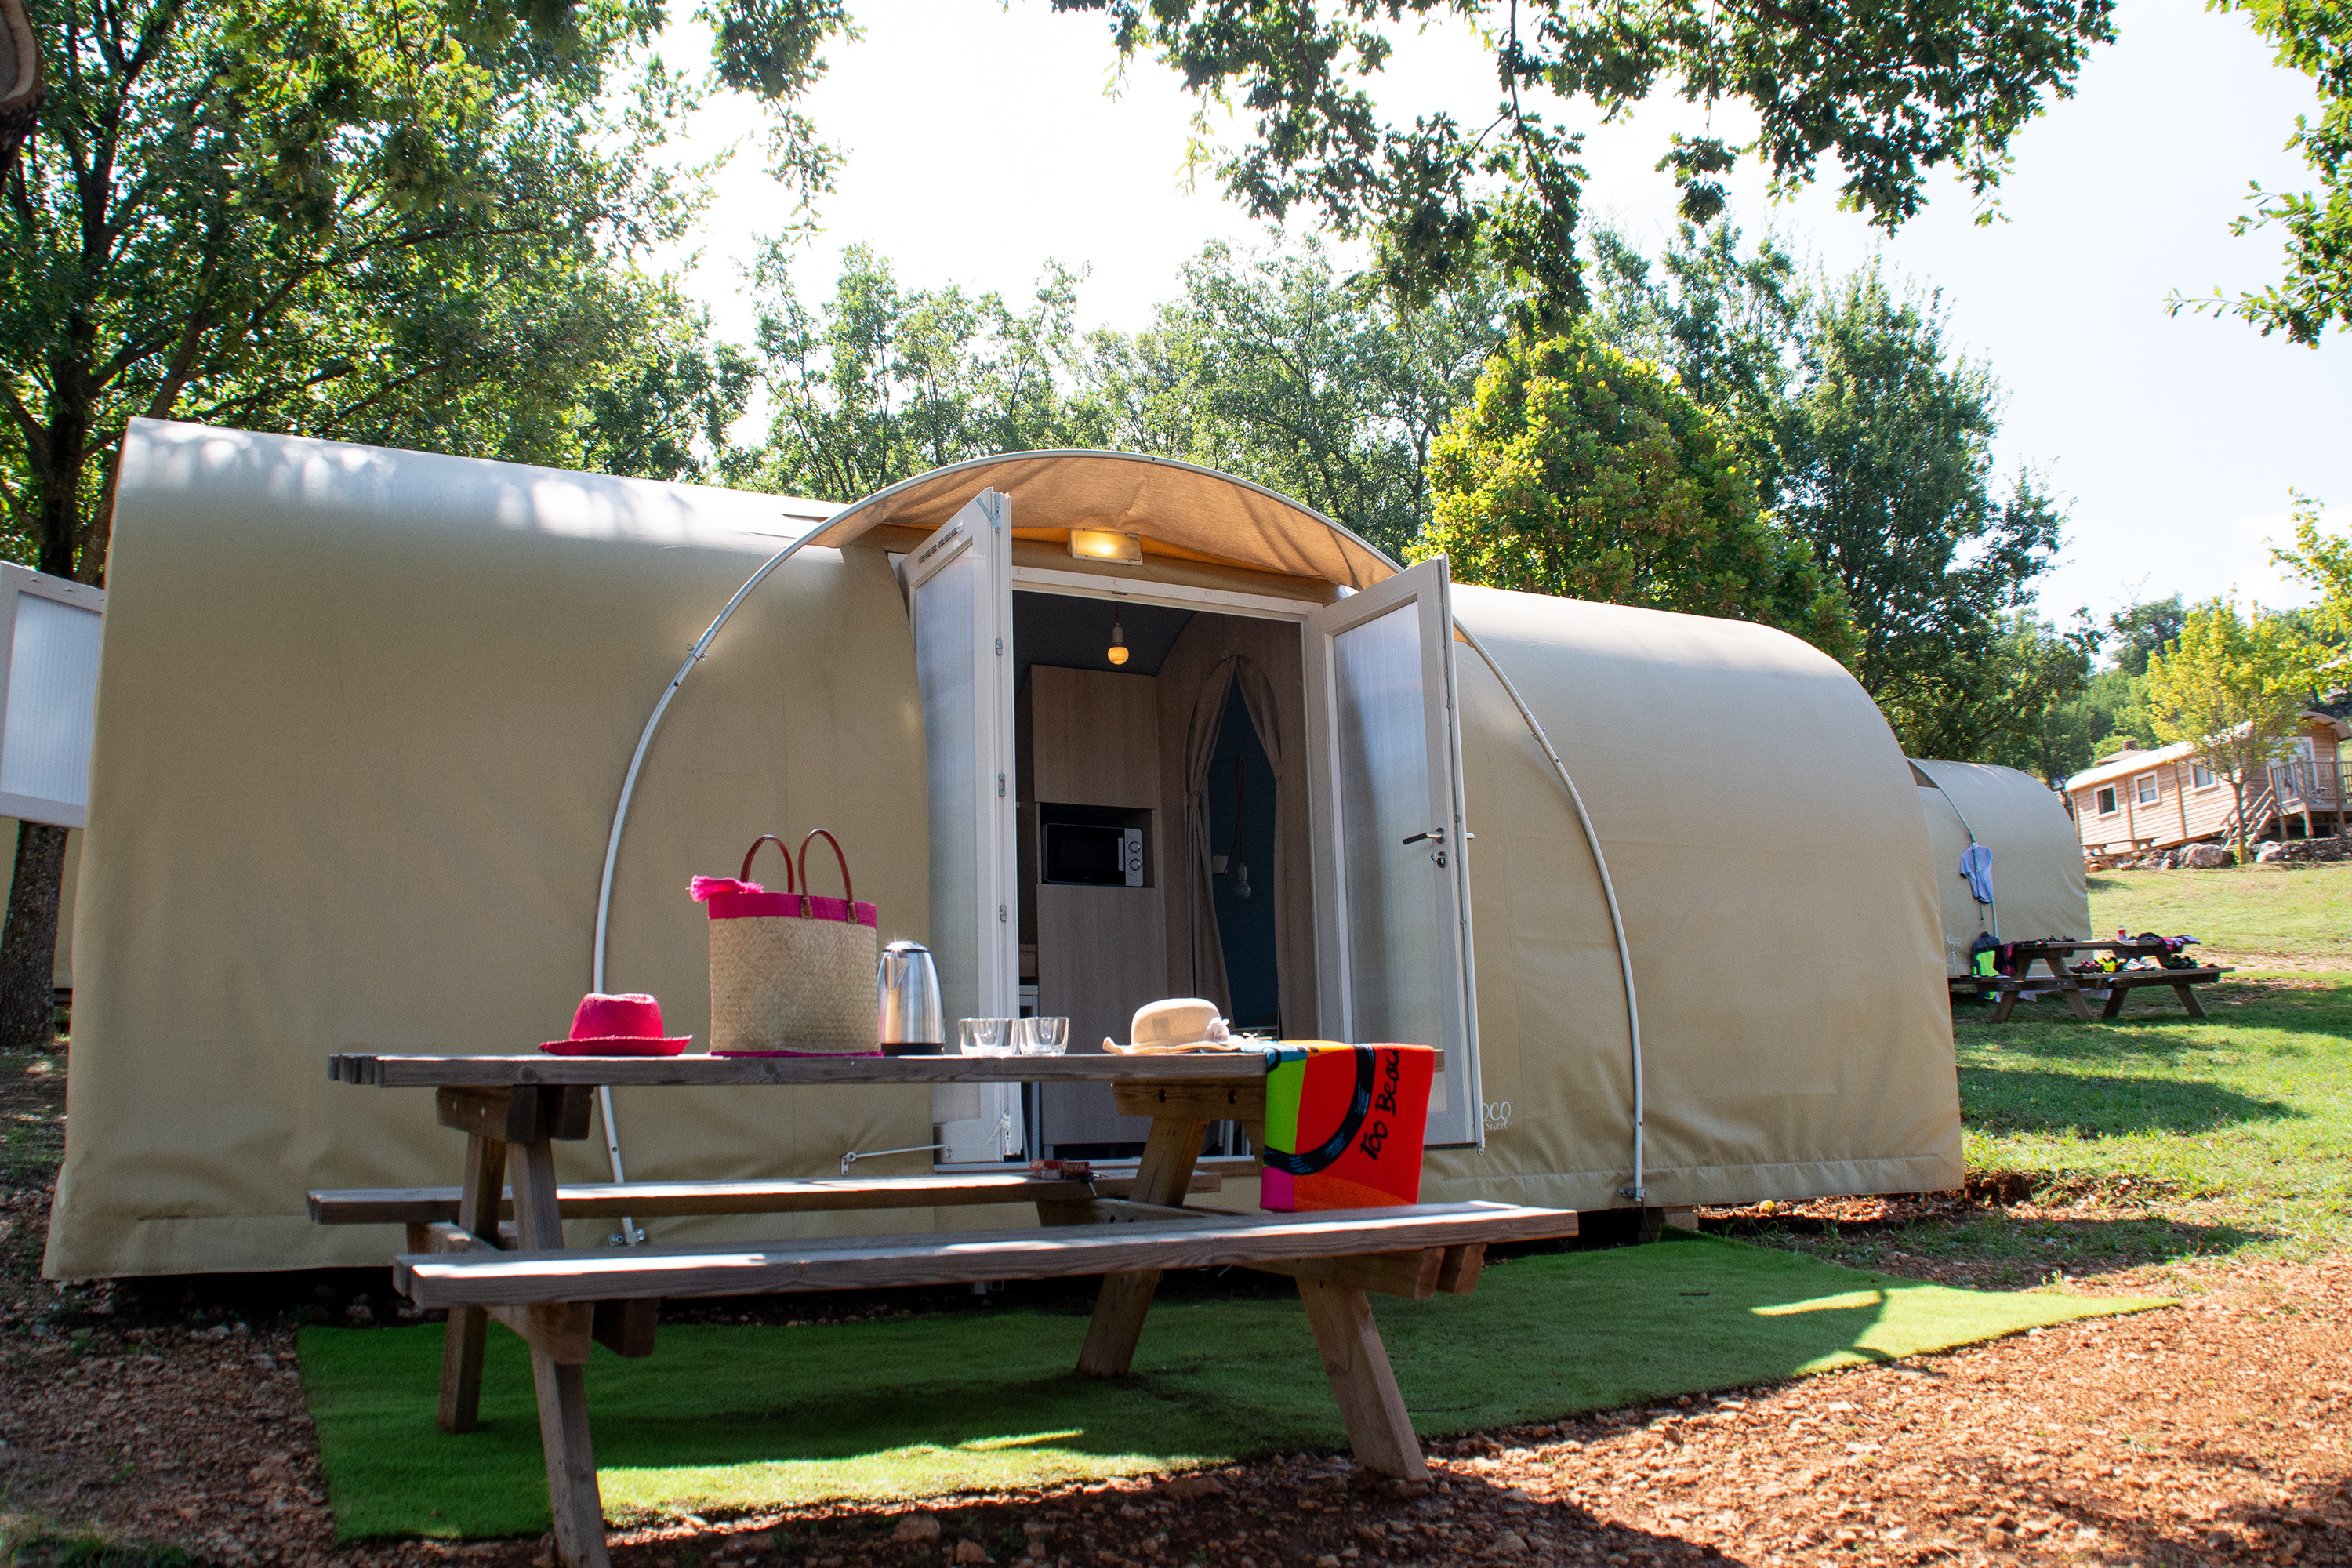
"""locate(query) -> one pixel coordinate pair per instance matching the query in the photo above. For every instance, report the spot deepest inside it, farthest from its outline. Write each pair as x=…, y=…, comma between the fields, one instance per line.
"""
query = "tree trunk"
x=28, y=943
x=28, y=940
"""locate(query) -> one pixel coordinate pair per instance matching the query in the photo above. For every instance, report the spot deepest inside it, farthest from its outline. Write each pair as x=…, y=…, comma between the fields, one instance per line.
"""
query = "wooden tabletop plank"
x=2107, y=979
x=400, y=1205
x=493, y=1072
x=826, y=1263
x=2125, y=944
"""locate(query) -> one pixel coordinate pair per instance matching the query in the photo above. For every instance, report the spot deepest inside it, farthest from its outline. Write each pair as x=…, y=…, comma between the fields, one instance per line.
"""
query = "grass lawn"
x=2258, y=917
x=2156, y=1137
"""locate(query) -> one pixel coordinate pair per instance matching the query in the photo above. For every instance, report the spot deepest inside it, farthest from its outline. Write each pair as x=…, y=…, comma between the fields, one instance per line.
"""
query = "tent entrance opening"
x=1151, y=850
x=1079, y=804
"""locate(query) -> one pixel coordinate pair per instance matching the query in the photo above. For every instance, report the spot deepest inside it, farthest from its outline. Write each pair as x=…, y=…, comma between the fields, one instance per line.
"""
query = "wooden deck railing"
x=2322, y=785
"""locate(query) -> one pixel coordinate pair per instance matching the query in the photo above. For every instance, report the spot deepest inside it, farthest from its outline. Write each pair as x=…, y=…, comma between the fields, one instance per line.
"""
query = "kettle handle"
x=848, y=894
x=790, y=884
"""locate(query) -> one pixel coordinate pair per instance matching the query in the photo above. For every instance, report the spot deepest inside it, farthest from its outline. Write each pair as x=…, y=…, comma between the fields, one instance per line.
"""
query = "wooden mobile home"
x=2137, y=800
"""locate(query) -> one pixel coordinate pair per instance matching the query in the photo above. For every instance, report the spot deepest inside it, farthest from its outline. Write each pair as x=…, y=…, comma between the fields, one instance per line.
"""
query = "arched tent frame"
x=1177, y=510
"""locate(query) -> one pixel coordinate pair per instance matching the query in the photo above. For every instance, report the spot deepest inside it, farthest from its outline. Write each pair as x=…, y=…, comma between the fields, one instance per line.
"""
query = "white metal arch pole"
x=629, y=1234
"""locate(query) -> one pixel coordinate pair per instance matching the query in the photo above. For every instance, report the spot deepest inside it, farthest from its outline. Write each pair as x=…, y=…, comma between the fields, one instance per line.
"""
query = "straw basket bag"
x=791, y=974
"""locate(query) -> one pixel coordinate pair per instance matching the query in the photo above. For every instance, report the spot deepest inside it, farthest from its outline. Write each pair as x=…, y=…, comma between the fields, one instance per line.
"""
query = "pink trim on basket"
x=747, y=906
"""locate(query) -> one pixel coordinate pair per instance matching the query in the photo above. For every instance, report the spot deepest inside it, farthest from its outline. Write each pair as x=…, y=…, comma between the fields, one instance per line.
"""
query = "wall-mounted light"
x=1101, y=544
x=1118, y=654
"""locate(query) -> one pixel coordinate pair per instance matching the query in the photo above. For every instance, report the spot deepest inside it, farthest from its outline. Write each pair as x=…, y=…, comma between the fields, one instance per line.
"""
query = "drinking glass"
x=986, y=1037
x=1042, y=1037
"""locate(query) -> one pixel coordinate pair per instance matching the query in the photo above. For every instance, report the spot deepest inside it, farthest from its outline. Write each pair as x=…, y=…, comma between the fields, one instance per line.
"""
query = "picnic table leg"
x=1379, y=1428
x=571, y=1495
x=461, y=1351
x=2114, y=1007
x=1163, y=1175
x=2006, y=1005
x=2070, y=988
x=2187, y=994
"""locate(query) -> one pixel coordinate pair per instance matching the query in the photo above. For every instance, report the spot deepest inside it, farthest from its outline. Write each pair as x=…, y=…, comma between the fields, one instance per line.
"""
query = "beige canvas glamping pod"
x=363, y=716
x=2037, y=859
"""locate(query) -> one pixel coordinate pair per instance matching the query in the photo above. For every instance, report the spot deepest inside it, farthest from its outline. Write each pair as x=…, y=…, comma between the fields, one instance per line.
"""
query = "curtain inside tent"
x=1209, y=979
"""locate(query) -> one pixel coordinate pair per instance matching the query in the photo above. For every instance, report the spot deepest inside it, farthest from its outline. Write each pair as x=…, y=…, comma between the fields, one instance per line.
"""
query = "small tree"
x=2233, y=687
x=1581, y=471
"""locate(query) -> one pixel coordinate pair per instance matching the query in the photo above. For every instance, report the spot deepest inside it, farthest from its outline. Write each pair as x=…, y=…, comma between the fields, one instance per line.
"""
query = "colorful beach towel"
x=1344, y=1125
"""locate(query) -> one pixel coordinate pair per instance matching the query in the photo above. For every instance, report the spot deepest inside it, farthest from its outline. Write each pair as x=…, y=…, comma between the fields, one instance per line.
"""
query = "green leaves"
x=769, y=47
x=1891, y=90
x=2314, y=37
x=1872, y=443
x=1579, y=471
x=884, y=382
x=1273, y=366
x=1268, y=366
x=357, y=220
x=1887, y=447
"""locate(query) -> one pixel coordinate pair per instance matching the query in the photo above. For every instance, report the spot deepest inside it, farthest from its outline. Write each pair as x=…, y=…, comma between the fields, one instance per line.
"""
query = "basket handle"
x=790, y=884
x=848, y=894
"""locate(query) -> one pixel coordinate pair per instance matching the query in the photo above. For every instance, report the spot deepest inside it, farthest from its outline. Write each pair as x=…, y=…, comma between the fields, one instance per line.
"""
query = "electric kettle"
x=906, y=998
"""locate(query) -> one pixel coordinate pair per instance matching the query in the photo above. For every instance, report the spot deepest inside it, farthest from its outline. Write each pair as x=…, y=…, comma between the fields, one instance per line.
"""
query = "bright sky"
x=982, y=142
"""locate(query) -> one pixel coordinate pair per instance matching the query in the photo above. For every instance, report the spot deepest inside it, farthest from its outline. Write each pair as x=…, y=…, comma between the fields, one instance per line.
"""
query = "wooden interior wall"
x=1092, y=738
x=1276, y=647
x=1095, y=738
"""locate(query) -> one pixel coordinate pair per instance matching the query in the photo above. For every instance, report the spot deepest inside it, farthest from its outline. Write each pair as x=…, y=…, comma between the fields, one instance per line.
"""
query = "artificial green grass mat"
x=725, y=1419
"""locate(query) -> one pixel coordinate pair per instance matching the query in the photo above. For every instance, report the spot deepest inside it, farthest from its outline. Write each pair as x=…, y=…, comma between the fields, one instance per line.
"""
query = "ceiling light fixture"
x=1102, y=544
x=1118, y=654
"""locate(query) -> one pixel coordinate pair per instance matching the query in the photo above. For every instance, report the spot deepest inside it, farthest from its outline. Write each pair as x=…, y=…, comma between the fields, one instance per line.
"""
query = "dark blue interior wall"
x=1245, y=924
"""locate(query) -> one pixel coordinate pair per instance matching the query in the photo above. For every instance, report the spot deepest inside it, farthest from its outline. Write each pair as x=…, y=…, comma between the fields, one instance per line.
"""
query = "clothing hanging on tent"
x=1208, y=978
x=1976, y=865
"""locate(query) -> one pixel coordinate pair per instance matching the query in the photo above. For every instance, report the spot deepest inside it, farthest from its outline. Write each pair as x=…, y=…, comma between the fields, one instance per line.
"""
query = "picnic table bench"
x=2060, y=981
x=562, y=1302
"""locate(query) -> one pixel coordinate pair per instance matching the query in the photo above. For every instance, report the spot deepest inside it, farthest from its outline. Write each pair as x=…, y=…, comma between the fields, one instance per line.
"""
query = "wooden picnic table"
x=2064, y=982
x=513, y=1109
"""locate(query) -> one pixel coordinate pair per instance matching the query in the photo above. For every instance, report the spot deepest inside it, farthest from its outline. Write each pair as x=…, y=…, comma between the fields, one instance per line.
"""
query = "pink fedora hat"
x=625, y=1025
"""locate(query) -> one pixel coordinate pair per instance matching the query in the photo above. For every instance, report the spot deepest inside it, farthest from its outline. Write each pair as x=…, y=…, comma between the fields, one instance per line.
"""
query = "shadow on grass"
x=1995, y=1248
x=1995, y=1100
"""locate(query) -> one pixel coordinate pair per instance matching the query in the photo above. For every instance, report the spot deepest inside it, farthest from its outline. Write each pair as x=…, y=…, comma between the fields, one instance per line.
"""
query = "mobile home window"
x=2144, y=789
x=2200, y=775
x=2107, y=801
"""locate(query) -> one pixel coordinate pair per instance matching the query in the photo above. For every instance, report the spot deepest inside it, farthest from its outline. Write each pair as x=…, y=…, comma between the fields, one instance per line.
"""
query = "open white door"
x=1391, y=881
x=959, y=591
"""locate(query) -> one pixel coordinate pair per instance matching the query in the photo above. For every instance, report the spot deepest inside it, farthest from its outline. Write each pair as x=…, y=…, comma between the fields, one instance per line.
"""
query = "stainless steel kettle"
x=907, y=998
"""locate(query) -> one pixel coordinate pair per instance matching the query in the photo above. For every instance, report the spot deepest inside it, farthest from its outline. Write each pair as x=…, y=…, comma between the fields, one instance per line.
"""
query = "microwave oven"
x=1085, y=853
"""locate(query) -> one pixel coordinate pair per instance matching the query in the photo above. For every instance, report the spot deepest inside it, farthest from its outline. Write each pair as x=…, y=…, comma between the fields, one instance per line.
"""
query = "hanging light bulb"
x=1118, y=654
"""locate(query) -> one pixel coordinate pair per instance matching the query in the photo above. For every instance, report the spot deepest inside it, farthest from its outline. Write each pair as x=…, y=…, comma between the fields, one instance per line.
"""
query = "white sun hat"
x=1176, y=1024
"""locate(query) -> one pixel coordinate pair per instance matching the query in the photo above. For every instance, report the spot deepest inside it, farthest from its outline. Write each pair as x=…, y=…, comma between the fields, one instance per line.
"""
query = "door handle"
x=1437, y=836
